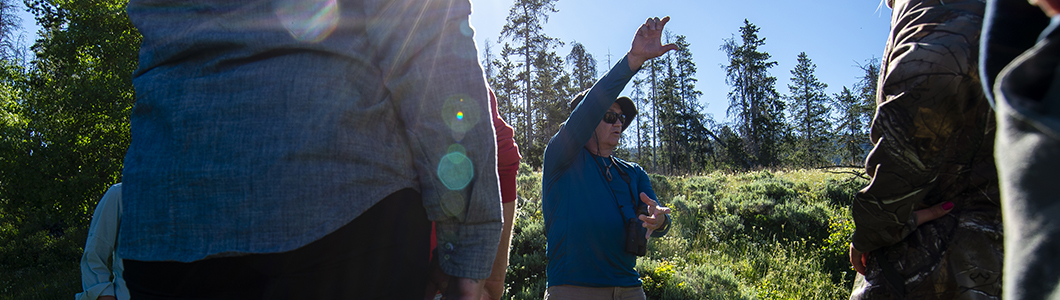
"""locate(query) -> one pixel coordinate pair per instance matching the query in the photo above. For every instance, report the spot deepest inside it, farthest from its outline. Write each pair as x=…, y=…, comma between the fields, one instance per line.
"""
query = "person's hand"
x=455, y=288
x=859, y=259
x=1050, y=7
x=647, y=44
x=656, y=217
x=452, y=287
x=492, y=289
x=934, y=212
x=463, y=289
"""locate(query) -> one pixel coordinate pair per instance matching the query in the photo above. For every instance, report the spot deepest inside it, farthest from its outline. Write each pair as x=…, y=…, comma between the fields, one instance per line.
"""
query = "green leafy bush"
x=40, y=265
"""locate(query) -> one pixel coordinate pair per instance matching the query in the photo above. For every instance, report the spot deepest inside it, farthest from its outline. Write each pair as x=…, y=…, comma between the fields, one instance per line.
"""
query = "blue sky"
x=836, y=34
x=29, y=25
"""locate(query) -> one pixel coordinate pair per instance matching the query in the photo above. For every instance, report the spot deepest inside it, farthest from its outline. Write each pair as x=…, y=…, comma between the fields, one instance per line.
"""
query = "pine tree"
x=856, y=108
x=850, y=127
x=753, y=99
x=583, y=67
x=654, y=84
x=683, y=134
x=552, y=86
x=9, y=28
x=507, y=88
x=488, y=68
x=866, y=88
x=529, y=44
x=810, y=114
x=640, y=136
x=667, y=107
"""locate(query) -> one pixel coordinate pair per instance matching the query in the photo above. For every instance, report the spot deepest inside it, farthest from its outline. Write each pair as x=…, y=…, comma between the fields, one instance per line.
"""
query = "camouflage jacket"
x=933, y=139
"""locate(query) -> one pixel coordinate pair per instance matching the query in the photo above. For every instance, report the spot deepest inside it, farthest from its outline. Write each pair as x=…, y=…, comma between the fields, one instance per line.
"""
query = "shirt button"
x=449, y=246
x=447, y=257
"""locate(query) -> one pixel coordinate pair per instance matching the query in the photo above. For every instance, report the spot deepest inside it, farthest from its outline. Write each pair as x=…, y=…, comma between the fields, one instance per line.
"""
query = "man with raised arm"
x=600, y=210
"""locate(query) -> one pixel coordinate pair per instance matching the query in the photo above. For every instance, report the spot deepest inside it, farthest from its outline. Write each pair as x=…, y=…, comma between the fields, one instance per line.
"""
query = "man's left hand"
x=656, y=217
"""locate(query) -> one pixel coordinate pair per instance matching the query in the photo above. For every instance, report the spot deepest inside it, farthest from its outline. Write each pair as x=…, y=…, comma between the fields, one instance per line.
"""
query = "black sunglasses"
x=612, y=117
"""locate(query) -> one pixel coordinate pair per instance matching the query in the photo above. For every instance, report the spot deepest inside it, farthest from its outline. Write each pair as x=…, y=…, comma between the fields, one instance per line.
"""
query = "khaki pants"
x=564, y=292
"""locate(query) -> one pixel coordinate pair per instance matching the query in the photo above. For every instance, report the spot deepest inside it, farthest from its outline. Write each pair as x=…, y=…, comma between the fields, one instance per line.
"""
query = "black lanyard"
x=606, y=172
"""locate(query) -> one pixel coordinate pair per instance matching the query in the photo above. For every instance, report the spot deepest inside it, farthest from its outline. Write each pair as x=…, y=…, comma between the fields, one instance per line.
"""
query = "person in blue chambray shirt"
x=593, y=203
x=300, y=149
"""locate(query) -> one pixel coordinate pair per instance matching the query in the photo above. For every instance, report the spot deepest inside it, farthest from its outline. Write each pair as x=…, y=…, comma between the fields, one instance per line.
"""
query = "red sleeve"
x=507, y=153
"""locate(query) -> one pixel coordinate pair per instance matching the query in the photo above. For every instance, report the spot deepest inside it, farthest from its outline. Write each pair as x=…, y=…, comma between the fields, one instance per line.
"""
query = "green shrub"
x=841, y=192
x=712, y=282
x=527, y=260
x=835, y=251
x=39, y=264
x=528, y=186
x=777, y=189
x=662, y=187
x=661, y=281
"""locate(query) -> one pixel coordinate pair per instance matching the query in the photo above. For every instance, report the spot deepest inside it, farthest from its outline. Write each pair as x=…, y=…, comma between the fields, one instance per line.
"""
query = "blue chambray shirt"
x=261, y=126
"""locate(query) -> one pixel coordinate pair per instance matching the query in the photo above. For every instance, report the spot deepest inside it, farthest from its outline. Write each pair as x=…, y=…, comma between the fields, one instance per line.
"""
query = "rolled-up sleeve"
x=433, y=76
x=97, y=278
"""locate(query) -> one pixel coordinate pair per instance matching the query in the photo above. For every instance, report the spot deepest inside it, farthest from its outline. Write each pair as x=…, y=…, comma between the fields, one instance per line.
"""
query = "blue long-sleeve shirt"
x=585, y=214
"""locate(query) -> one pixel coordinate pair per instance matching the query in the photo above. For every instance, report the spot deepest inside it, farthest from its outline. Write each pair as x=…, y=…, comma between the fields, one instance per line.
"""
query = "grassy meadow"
x=755, y=235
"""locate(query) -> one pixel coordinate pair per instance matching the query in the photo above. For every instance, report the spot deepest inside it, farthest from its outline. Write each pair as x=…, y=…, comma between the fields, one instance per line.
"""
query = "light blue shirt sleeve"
x=101, y=268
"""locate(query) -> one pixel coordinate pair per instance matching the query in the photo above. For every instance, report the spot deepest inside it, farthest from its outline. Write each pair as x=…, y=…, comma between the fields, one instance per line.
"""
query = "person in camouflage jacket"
x=928, y=225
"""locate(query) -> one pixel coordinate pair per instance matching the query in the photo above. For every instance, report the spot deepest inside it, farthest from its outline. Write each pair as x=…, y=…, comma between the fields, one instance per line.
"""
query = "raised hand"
x=656, y=217
x=647, y=43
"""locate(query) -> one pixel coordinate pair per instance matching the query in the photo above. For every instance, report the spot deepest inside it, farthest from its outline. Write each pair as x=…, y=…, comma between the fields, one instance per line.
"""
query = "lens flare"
x=457, y=148
x=455, y=170
x=309, y=20
x=461, y=113
x=453, y=204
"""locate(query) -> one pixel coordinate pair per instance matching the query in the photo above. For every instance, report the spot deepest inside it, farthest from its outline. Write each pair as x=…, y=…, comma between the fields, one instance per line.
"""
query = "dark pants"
x=382, y=254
